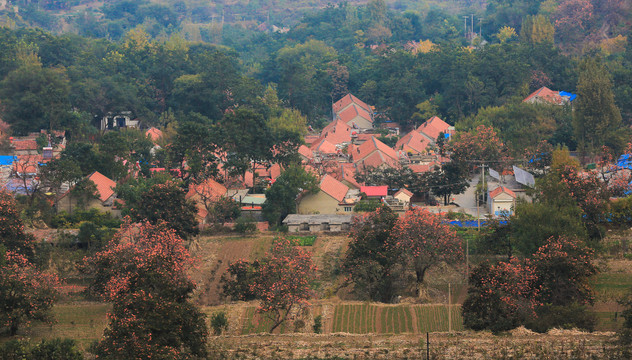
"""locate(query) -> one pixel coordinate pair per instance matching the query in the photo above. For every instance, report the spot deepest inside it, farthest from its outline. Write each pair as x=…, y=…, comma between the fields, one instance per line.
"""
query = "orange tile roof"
x=310, y=139
x=374, y=153
x=545, y=94
x=381, y=190
x=306, y=152
x=413, y=142
x=433, y=127
x=209, y=188
x=337, y=132
x=348, y=100
x=404, y=191
x=333, y=188
x=28, y=144
x=347, y=173
x=105, y=185
x=418, y=168
x=153, y=134
x=324, y=146
x=497, y=191
x=352, y=112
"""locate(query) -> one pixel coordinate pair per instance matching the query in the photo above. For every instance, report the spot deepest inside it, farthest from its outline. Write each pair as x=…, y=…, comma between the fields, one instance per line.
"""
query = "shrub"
x=318, y=324
x=564, y=317
x=219, y=322
x=57, y=349
x=245, y=225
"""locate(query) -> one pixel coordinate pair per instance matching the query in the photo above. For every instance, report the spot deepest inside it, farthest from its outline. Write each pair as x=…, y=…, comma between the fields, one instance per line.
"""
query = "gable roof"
x=413, y=142
x=419, y=168
x=209, y=188
x=105, y=185
x=433, y=127
x=381, y=190
x=337, y=132
x=324, y=146
x=306, y=152
x=334, y=188
x=348, y=100
x=347, y=115
x=153, y=134
x=404, y=191
x=369, y=149
x=347, y=173
x=544, y=94
x=501, y=189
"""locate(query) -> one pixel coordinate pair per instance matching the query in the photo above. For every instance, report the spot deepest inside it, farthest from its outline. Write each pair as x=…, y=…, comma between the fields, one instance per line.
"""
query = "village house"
x=103, y=200
x=432, y=128
x=318, y=223
x=120, y=120
x=330, y=199
x=374, y=154
x=544, y=95
x=501, y=201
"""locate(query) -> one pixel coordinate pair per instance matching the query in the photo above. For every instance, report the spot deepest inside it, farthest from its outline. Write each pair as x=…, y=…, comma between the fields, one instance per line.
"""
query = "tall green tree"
x=281, y=198
x=597, y=120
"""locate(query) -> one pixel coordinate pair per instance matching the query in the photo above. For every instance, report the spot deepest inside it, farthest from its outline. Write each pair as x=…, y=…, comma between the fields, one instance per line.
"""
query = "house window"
x=347, y=208
x=304, y=227
x=324, y=227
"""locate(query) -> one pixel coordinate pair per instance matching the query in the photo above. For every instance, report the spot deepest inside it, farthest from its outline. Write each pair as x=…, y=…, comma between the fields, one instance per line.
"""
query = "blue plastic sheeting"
x=446, y=135
x=472, y=223
x=570, y=95
x=6, y=159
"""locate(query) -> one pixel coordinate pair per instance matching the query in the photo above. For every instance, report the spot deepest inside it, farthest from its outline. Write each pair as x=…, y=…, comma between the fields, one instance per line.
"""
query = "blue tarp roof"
x=570, y=95
x=6, y=159
x=471, y=223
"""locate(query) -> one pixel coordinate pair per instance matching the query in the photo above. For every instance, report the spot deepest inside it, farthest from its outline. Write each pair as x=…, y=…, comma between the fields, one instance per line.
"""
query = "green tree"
x=281, y=197
x=449, y=179
x=370, y=262
x=35, y=98
x=537, y=29
x=166, y=203
x=596, y=120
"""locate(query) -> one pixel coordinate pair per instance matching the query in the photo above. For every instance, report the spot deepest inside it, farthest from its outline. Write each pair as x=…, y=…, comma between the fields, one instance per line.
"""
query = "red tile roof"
x=418, y=168
x=349, y=114
x=27, y=144
x=497, y=191
x=404, y=191
x=348, y=172
x=306, y=152
x=207, y=189
x=310, y=139
x=433, y=127
x=337, y=132
x=374, y=190
x=544, y=94
x=333, y=188
x=413, y=142
x=324, y=146
x=105, y=185
x=348, y=100
x=153, y=134
x=374, y=153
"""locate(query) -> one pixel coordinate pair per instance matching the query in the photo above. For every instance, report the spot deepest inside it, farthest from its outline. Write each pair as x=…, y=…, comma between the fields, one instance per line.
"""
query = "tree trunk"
x=13, y=328
x=421, y=289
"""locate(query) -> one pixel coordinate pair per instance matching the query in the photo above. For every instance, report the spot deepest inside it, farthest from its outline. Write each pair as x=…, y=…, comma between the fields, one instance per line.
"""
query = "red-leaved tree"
x=12, y=234
x=280, y=281
x=479, y=145
x=424, y=241
x=144, y=273
x=25, y=292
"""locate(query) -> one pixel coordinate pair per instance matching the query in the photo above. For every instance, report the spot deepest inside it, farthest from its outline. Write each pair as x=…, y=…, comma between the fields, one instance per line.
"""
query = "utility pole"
x=480, y=28
x=465, y=25
x=472, y=41
x=449, y=308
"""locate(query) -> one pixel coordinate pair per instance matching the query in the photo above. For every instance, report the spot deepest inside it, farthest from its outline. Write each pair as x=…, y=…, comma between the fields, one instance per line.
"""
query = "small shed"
x=501, y=201
x=318, y=223
x=403, y=195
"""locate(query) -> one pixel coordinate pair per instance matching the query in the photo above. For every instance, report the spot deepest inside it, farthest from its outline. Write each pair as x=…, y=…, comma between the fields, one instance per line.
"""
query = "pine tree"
x=596, y=119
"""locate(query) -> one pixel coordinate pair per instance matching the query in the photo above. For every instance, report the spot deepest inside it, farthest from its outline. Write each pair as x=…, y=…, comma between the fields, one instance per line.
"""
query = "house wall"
x=498, y=204
x=319, y=203
x=402, y=197
x=69, y=204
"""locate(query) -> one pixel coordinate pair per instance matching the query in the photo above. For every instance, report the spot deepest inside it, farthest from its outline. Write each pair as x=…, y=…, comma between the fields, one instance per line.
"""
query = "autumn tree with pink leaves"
x=143, y=273
x=12, y=234
x=548, y=290
x=25, y=292
x=478, y=145
x=425, y=241
x=280, y=281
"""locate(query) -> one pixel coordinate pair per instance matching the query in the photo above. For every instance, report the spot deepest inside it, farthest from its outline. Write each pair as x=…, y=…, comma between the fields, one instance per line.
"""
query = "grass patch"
x=255, y=323
x=307, y=240
x=609, y=286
